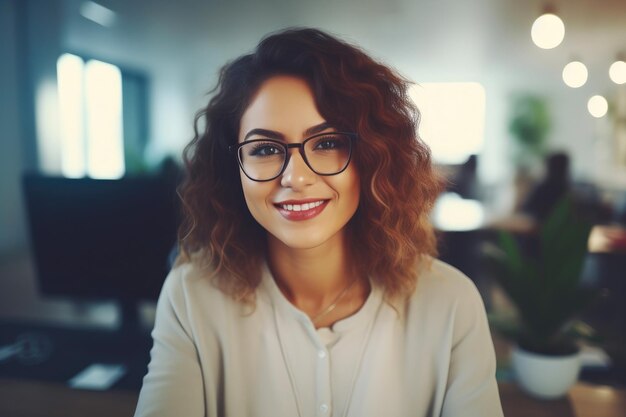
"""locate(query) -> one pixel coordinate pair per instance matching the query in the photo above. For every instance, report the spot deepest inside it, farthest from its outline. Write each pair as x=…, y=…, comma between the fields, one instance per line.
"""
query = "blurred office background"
x=157, y=60
x=108, y=90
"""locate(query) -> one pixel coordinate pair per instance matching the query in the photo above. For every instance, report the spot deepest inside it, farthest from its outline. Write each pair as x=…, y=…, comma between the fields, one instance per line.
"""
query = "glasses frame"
x=286, y=146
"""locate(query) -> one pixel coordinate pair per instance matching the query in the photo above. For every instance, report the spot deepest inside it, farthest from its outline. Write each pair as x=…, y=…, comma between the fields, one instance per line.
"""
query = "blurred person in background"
x=555, y=185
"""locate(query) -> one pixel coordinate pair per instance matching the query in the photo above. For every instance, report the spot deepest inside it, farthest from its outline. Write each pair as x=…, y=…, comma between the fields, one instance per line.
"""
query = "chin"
x=304, y=240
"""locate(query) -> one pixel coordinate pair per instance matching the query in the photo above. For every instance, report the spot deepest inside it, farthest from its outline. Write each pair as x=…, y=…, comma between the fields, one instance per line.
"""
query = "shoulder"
x=445, y=307
x=440, y=278
x=184, y=278
x=189, y=286
x=444, y=292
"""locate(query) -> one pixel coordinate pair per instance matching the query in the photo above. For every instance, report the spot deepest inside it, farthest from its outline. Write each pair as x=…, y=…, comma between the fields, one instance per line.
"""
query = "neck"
x=311, y=278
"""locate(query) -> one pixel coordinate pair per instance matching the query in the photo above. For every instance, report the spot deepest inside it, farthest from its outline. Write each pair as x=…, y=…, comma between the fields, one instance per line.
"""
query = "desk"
x=583, y=400
x=21, y=398
x=63, y=352
x=27, y=398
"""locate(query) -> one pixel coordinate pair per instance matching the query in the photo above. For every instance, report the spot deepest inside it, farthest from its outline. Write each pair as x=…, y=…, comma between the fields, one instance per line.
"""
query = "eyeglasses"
x=266, y=159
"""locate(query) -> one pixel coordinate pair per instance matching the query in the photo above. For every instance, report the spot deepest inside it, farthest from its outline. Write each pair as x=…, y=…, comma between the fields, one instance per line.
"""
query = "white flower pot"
x=543, y=376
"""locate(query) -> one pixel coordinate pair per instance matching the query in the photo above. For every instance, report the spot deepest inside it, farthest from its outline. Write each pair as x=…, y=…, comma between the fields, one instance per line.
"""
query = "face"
x=300, y=208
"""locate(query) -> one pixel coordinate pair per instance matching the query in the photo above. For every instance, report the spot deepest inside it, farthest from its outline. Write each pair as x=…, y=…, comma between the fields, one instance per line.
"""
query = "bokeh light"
x=575, y=74
x=617, y=72
x=597, y=106
x=548, y=31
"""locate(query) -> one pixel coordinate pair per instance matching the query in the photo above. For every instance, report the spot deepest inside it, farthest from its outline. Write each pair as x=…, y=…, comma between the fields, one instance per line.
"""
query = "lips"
x=301, y=209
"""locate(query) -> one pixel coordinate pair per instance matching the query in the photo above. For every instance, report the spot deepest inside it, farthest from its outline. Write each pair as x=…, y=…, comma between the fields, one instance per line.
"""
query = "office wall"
x=12, y=225
x=31, y=29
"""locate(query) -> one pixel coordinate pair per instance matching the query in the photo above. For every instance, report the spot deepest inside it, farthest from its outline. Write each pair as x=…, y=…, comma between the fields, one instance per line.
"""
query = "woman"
x=306, y=284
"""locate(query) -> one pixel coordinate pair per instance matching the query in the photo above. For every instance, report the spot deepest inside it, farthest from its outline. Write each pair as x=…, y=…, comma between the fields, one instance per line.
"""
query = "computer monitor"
x=102, y=239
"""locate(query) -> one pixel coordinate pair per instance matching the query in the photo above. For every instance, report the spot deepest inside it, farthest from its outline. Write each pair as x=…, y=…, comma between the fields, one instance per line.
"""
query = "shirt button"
x=321, y=354
x=324, y=408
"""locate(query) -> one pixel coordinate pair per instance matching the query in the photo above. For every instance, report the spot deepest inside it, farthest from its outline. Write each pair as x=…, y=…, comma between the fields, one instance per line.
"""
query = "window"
x=90, y=109
x=452, y=119
x=92, y=120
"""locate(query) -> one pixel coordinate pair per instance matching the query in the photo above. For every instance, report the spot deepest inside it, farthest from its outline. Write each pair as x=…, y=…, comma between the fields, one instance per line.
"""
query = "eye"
x=264, y=149
x=330, y=142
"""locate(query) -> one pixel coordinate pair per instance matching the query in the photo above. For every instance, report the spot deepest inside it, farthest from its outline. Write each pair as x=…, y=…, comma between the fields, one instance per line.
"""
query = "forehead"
x=283, y=103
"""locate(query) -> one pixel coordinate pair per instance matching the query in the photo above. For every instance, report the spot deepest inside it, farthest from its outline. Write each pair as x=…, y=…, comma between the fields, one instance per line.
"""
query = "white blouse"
x=429, y=356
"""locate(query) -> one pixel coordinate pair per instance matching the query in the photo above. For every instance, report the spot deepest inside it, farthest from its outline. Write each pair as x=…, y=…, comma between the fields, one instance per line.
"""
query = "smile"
x=301, y=211
x=301, y=207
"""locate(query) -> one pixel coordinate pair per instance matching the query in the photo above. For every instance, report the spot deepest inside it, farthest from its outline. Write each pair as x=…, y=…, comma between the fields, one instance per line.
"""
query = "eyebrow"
x=272, y=134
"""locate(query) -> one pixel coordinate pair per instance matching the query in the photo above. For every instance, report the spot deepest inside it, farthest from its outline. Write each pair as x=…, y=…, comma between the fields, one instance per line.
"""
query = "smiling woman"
x=317, y=184
x=306, y=283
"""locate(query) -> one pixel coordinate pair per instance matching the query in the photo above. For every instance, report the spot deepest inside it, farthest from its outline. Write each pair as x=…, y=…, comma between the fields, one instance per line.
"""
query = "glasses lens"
x=261, y=160
x=328, y=154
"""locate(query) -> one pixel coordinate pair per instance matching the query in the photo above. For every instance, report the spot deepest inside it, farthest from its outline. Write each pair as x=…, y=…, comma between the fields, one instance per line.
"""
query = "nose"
x=297, y=174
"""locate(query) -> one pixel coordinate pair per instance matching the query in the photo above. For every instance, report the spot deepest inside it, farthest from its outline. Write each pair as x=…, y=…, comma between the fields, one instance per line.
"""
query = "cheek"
x=355, y=195
x=248, y=190
x=349, y=190
x=255, y=194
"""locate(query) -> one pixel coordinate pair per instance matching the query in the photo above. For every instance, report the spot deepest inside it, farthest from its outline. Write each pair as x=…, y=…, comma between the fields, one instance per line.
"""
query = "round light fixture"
x=548, y=31
x=617, y=72
x=575, y=74
x=597, y=106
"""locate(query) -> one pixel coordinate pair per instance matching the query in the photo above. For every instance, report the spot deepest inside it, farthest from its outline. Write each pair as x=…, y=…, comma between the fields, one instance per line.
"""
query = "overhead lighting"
x=575, y=74
x=98, y=13
x=617, y=72
x=548, y=30
x=597, y=106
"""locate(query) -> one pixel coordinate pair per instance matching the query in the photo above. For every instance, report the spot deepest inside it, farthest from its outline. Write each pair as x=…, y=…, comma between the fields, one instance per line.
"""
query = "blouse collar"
x=357, y=320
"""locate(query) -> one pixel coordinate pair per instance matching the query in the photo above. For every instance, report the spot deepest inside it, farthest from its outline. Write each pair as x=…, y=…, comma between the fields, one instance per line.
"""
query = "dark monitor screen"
x=100, y=239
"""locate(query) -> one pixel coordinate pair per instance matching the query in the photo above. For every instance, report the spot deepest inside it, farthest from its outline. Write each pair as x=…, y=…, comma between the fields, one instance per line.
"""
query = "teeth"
x=301, y=207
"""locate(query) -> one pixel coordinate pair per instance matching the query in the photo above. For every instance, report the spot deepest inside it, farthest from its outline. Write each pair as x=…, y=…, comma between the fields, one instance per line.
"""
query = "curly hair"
x=390, y=233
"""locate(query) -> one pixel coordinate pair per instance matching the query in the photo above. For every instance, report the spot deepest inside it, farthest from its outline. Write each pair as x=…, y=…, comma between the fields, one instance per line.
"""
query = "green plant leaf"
x=545, y=286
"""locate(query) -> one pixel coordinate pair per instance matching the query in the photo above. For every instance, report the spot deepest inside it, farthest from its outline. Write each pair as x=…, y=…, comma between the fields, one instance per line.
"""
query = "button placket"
x=323, y=397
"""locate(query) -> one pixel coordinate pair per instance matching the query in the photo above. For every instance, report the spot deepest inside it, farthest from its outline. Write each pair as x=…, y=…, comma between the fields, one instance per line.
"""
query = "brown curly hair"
x=390, y=233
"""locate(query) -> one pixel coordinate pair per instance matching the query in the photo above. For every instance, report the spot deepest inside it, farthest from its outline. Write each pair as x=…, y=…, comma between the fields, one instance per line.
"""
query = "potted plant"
x=529, y=125
x=543, y=281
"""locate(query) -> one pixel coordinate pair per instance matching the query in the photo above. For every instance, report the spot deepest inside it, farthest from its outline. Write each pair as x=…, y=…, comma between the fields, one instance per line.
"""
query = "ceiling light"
x=617, y=72
x=597, y=106
x=575, y=74
x=98, y=13
x=548, y=31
